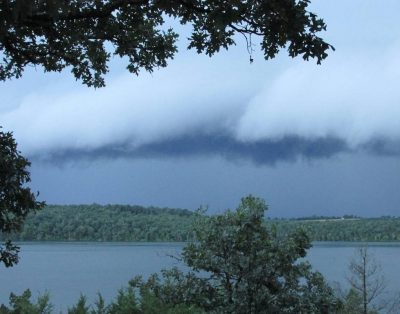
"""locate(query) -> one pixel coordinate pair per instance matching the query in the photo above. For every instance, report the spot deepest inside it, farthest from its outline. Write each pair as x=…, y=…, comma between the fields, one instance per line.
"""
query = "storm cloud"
x=349, y=104
x=266, y=152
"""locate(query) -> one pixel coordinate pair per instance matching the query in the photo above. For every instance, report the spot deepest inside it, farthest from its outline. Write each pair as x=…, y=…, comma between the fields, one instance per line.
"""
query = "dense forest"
x=136, y=223
x=106, y=223
x=343, y=229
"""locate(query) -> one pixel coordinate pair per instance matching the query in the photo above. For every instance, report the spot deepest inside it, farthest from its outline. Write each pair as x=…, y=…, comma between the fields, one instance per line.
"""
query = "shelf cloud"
x=191, y=109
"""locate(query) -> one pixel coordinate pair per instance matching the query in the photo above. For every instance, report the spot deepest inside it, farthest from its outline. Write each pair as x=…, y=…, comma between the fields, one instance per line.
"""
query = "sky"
x=310, y=139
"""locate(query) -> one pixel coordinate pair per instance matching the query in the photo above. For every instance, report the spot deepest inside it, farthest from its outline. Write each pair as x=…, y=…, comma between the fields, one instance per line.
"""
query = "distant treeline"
x=136, y=223
x=107, y=223
x=351, y=229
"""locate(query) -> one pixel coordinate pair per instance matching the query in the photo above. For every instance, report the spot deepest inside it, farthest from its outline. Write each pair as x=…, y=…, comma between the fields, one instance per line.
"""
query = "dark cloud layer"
x=268, y=152
x=265, y=152
x=384, y=147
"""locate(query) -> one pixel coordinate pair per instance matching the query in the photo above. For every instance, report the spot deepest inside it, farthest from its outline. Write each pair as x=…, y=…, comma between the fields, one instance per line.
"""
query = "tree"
x=366, y=281
x=352, y=303
x=16, y=200
x=80, y=307
x=238, y=265
x=84, y=34
x=23, y=305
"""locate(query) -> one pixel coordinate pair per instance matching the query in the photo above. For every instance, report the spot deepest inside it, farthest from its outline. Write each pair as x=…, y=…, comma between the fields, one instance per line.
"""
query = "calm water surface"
x=68, y=269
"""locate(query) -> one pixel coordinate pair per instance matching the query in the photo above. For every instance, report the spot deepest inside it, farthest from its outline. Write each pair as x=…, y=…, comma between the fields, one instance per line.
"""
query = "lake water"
x=68, y=269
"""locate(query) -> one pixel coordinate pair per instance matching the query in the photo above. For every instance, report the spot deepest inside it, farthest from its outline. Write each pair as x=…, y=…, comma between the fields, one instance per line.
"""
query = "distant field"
x=136, y=223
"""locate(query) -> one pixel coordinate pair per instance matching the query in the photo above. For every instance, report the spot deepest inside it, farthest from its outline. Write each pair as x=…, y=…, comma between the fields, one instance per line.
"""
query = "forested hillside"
x=350, y=229
x=136, y=223
x=107, y=223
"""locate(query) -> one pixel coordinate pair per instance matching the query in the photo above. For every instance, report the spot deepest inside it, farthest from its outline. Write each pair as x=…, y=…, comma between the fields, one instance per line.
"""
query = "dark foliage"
x=84, y=34
x=16, y=200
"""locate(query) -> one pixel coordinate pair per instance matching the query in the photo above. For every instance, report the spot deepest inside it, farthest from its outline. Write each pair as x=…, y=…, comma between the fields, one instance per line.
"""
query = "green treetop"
x=239, y=265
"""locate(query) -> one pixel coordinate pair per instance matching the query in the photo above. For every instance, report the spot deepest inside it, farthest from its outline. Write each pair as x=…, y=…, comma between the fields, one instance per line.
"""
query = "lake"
x=68, y=269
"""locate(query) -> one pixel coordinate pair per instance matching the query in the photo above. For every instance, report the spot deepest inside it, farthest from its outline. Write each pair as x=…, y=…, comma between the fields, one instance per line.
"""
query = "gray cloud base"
x=265, y=152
